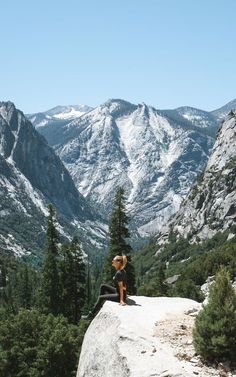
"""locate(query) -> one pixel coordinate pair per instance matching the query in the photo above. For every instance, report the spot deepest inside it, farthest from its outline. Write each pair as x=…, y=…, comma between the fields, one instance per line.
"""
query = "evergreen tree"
x=160, y=286
x=3, y=275
x=89, y=285
x=36, y=345
x=50, y=292
x=7, y=298
x=156, y=287
x=118, y=235
x=25, y=288
x=214, y=334
x=80, y=278
x=185, y=287
x=67, y=280
x=73, y=281
x=20, y=283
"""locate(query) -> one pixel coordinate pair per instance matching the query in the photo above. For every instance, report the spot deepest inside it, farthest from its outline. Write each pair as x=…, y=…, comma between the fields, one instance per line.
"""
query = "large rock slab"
x=138, y=340
x=150, y=337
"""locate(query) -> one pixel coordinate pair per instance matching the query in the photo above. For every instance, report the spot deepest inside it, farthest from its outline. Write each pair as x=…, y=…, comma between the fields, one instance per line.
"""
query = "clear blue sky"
x=166, y=53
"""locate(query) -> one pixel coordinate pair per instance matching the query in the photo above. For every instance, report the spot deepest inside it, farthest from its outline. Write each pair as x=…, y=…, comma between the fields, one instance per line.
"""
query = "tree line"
x=41, y=330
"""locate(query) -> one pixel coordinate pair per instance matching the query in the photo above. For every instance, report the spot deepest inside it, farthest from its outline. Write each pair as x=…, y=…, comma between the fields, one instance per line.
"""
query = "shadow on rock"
x=129, y=301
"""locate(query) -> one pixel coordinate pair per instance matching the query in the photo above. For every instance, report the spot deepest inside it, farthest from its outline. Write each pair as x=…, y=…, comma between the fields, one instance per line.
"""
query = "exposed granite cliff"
x=150, y=337
x=31, y=176
x=210, y=205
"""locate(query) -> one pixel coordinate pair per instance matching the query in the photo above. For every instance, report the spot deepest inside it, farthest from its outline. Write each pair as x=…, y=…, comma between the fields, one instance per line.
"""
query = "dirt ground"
x=177, y=333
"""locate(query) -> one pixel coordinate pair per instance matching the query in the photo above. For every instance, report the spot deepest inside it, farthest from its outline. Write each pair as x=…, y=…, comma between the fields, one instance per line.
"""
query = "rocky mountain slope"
x=199, y=118
x=223, y=111
x=31, y=176
x=155, y=158
x=58, y=113
x=210, y=205
x=51, y=122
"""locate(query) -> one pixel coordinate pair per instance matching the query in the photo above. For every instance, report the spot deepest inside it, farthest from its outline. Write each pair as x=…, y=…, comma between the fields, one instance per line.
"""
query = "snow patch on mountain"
x=121, y=144
x=71, y=112
x=58, y=113
x=12, y=246
x=197, y=117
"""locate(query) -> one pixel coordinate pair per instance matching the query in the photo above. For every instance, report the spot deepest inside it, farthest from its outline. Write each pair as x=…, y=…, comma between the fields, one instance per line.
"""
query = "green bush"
x=36, y=345
x=187, y=288
x=214, y=334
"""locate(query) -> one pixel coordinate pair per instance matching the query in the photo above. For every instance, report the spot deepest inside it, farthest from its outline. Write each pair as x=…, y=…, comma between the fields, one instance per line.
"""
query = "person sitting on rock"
x=109, y=293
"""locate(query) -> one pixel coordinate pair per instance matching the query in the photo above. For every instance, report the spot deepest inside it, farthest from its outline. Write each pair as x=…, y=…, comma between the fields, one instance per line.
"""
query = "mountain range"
x=155, y=154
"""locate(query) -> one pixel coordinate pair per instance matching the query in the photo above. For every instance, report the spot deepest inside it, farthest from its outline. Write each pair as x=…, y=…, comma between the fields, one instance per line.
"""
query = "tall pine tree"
x=26, y=288
x=73, y=281
x=160, y=286
x=118, y=245
x=80, y=277
x=50, y=290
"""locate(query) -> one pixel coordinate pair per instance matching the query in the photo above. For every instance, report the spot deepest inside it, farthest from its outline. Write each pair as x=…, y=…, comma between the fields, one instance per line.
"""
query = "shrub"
x=214, y=334
x=35, y=345
x=187, y=288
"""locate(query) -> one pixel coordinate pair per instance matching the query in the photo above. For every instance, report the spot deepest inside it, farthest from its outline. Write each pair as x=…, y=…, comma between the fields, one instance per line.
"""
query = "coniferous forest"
x=41, y=330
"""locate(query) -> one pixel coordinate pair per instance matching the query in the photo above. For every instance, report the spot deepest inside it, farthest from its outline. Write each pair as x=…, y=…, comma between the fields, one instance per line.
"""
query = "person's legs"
x=102, y=298
x=107, y=289
x=109, y=294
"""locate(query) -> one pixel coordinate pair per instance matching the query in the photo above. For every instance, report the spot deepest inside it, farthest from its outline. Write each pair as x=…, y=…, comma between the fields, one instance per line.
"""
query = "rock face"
x=31, y=176
x=154, y=156
x=223, y=111
x=210, y=205
x=151, y=337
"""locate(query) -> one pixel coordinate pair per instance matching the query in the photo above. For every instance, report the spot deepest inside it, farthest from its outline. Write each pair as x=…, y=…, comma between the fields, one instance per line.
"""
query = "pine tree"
x=67, y=282
x=214, y=334
x=50, y=292
x=80, y=278
x=160, y=286
x=34, y=344
x=73, y=281
x=118, y=235
x=25, y=291
x=88, y=285
x=3, y=275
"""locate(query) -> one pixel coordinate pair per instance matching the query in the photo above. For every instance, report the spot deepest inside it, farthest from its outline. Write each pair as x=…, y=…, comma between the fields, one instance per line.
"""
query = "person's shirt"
x=120, y=276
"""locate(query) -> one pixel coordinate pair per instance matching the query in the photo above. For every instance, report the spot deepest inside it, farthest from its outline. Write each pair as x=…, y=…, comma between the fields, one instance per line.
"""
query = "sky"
x=166, y=53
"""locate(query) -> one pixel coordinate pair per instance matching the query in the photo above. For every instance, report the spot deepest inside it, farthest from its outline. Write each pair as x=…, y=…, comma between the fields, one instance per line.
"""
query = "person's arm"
x=121, y=288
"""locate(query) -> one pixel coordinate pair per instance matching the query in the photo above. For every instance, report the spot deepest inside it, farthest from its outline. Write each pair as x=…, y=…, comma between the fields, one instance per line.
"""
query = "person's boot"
x=88, y=317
